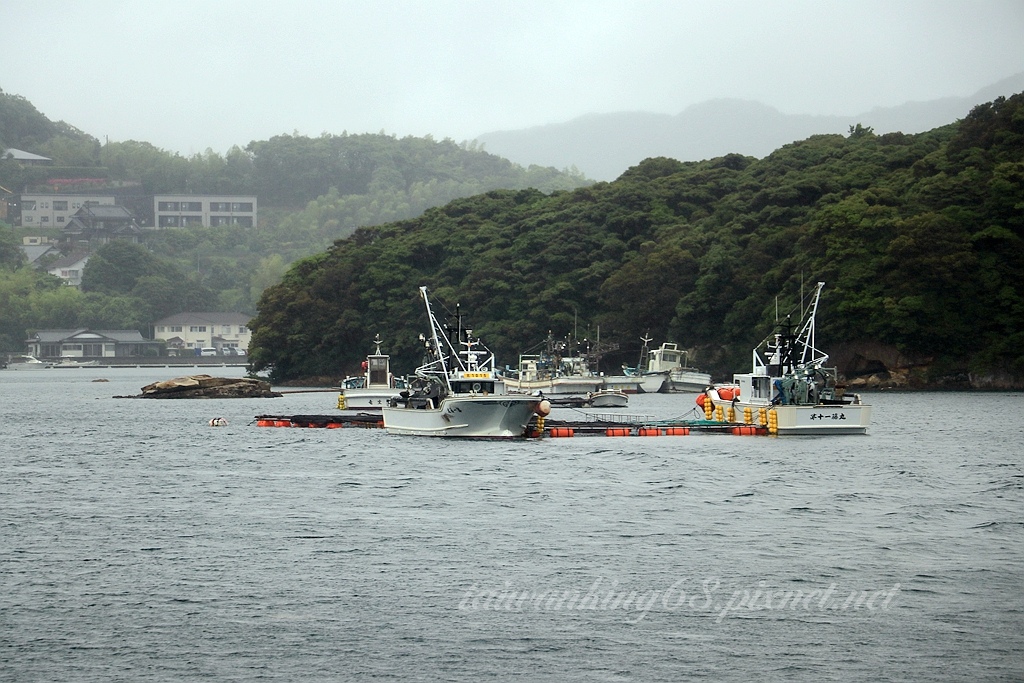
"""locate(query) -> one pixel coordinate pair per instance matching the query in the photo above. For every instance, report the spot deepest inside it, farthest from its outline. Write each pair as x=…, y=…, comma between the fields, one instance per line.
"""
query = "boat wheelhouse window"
x=470, y=385
x=378, y=370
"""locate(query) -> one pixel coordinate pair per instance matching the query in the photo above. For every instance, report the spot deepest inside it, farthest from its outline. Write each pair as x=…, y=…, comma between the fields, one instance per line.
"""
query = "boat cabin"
x=664, y=358
x=754, y=388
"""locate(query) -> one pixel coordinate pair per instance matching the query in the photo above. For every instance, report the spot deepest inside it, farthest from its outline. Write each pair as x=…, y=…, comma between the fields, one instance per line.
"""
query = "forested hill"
x=918, y=238
x=382, y=176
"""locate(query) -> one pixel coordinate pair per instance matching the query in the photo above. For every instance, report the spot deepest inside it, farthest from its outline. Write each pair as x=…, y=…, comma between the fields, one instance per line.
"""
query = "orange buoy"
x=617, y=431
x=560, y=432
x=264, y=423
x=648, y=431
x=677, y=431
x=334, y=425
x=282, y=423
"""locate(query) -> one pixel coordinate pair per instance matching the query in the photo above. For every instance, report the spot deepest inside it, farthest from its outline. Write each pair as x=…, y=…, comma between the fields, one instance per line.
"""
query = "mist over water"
x=137, y=543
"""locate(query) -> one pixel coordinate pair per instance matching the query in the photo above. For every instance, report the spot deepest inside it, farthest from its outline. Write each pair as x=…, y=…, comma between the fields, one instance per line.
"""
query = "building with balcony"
x=54, y=210
x=182, y=210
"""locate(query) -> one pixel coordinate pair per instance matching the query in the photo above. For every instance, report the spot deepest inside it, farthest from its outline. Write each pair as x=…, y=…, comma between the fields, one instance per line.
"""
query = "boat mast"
x=806, y=336
x=438, y=349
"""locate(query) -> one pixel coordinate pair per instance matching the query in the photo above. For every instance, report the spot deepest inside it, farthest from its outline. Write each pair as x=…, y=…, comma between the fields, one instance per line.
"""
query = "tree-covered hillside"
x=384, y=177
x=310, y=192
x=918, y=238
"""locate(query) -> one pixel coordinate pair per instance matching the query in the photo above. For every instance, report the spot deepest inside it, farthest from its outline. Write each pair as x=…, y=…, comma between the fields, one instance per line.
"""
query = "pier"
x=601, y=425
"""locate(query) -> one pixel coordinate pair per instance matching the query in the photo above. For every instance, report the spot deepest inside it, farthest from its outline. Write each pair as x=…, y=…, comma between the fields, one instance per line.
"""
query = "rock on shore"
x=206, y=386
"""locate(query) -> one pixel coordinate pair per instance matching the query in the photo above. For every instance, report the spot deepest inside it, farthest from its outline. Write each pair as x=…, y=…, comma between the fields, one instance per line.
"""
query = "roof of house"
x=77, y=226
x=105, y=212
x=70, y=260
x=85, y=334
x=22, y=155
x=205, y=318
x=33, y=252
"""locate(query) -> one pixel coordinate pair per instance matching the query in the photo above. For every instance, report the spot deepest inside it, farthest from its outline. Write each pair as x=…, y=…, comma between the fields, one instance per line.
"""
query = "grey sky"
x=187, y=75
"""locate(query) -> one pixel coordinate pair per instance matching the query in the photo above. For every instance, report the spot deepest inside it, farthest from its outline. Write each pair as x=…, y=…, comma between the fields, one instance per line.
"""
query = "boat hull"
x=29, y=366
x=807, y=420
x=555, y=386
x=487, y=417
x=365, y=399
x=823, y=419
x=685, y=381
x=609, y=399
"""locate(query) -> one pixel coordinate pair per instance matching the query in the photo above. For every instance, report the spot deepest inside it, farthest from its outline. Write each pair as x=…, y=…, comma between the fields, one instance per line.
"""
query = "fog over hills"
x=604, y=145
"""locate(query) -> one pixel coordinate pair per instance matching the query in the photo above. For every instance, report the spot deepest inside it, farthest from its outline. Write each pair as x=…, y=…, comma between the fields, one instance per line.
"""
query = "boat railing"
x=619, y=417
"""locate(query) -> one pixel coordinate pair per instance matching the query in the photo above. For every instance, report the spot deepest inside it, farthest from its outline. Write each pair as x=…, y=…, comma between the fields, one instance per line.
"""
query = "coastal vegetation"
x=311, y=192
x=918, y=237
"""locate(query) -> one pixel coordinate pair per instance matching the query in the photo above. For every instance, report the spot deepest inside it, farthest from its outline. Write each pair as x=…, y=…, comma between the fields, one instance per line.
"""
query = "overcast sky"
x=187, y=75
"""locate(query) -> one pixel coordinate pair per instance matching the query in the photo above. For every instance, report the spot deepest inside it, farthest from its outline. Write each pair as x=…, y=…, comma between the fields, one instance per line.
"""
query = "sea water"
x=139, y=544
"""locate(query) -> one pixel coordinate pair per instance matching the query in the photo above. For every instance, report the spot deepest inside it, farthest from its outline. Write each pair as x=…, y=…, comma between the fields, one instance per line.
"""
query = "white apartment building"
x=184, y=210
x=198, y=330
x=55, y=210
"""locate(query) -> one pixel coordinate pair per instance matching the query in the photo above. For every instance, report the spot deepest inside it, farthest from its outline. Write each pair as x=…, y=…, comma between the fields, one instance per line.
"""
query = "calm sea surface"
x=139, y=544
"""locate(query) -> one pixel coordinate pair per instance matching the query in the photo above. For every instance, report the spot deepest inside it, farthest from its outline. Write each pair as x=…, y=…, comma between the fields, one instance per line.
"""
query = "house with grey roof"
x=26, y=158
x=86, y=343
x=34, y=252
x=70, y=268
x=97, y=224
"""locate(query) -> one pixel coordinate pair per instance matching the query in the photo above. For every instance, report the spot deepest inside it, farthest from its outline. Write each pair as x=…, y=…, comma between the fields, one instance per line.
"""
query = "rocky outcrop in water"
x=206, y=386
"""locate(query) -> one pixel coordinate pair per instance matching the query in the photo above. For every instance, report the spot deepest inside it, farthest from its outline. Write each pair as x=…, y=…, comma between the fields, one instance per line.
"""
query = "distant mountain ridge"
x=603, y=146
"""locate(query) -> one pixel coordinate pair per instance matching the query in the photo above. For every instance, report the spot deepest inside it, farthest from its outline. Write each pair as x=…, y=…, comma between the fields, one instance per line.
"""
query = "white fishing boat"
x=69, y=362
x=566, y=366
x=789, y=389
x=607, y=398
x=559, y=369
x=664, y=370
x=375, y=387
x=27, y=362
x=460, y=394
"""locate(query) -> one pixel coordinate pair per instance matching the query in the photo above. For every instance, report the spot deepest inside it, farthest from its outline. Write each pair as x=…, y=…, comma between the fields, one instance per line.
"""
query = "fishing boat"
x=664, y=370
x=607, y=398
x=375, y=387
x=459, y=392
x=27, y=362
x=561, y=368
x=69, y=362
x=789, y=389
x=567, y=366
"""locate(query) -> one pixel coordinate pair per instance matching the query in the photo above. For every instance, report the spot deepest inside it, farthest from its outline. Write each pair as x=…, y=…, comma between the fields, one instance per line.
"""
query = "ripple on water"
x=140, y=544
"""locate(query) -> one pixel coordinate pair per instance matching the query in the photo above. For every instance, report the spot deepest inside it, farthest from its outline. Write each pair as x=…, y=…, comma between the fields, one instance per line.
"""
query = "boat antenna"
x=646, y=339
